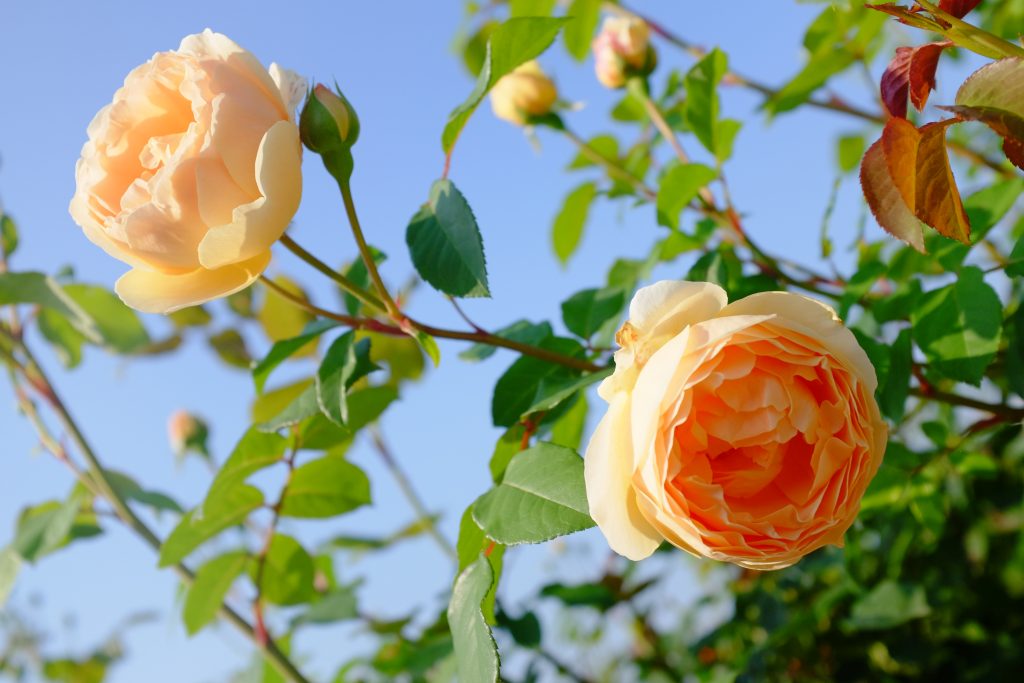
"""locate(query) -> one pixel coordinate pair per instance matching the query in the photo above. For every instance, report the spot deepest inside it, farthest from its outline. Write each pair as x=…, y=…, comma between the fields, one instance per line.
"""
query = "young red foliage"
x=958, y=8
x=911, y=72
x=906, y=178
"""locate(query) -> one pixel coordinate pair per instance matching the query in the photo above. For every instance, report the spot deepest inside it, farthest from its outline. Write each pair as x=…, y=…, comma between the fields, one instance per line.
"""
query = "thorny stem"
x=95, y=477
x=364, y=250
x=475, y=336
x=423, y=516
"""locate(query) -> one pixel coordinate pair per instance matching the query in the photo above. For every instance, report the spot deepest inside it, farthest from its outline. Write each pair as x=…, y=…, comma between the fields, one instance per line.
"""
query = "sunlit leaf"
x=911, y=73
x=567, y=230
x=286, y=577
x=325, y=487
x=542, y=496
x=475, y=649
x=212, y=582
x=230, y=507
x=516, y=41
x=445, y=244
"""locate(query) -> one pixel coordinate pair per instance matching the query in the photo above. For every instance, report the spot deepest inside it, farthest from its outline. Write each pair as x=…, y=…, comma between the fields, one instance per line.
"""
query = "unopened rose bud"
x=622, y=50
x=329, y=126
x=525, y=93
x=186, y=432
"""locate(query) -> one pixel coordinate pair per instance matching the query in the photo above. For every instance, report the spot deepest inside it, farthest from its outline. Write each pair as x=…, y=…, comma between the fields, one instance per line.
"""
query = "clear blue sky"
x=62, y=62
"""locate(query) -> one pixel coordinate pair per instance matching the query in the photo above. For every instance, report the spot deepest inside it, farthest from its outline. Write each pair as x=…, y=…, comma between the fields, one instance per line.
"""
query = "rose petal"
x=607, y=469
x=257, y=225
x=153, y=292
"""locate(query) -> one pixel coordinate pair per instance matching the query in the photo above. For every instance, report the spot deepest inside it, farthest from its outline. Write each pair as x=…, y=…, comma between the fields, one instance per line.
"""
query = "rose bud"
x=192, y=173
x=329, y=126
x=186, y=432
x=745, y=432
x=524, y=93
x=622, y=50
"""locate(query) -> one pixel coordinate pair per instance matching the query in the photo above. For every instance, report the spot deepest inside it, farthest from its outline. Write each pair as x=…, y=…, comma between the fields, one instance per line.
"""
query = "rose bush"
x=192, y=172
x=745, y=432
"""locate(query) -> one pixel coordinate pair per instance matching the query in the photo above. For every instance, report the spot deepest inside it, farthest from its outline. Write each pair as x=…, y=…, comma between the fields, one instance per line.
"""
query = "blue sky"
x=395, y=63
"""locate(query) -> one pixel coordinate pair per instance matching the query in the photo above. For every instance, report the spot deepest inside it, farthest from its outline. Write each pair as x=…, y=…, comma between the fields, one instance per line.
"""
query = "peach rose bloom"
x=621, y=48
x=526, y=91
x=745, y=432
x=192, y=173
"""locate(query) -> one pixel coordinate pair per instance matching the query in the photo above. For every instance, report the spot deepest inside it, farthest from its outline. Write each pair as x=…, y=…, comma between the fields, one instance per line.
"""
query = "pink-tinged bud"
x=622, y=50
x=186, y=432
x=525, y=93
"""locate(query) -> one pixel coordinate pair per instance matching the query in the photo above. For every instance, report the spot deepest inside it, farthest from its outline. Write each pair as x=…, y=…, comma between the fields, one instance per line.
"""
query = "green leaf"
x=567, y=430
x=212, y=583
x=475, y=649
x=287, y=576
x=281, y=318
x=346, y=362
x=255, y=451
x=986, y=207
x=230, y=347
x=41, y=290
x=541, y=497
x=516, y=41
x=304, y=406
x=8, y=235
x=958, y=326
x=471, y=543
x=531, y=8
x=1015, y=268
x=1015, y=351
x=680, y=186
x=357, y=273
x=701, y=84
x=579, y=32
x=849, y=151
x=586, y=312
x=10, y=564
x=596, y=595
x=326, y=487
x=119, y=326
x=554, y=393
x=445, y=245
x=892, y=393
x=45, y=528
x=522, y=331
x=129, y=489
x=230, y=507
x=62, y=335
x=283, y=349
x=429, y=346
x=340, y=604
x=508, y=445
x=888, y=605
x=570, y=221
x=526, y=379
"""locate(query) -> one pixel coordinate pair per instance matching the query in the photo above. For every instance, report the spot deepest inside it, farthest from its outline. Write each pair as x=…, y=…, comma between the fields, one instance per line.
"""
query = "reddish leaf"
x=906, y=178
x=958, y=8
x=938, y=199
x=1007, y=124
x=885, y=200
x=911, y=71
x=994, y=95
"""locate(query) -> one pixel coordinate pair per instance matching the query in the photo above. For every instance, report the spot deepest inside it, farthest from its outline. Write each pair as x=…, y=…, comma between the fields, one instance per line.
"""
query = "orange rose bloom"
x=745, y=432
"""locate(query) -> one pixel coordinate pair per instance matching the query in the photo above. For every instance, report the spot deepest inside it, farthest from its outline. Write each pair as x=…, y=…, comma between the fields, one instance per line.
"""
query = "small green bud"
x=329, y=126
x=328, y=121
